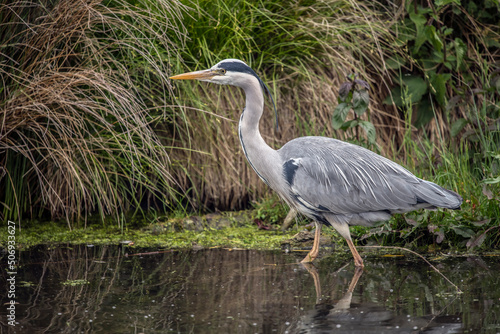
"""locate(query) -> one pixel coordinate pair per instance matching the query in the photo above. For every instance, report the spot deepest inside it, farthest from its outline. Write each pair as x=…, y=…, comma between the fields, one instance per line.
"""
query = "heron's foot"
x=310, y=257
x=358, y=262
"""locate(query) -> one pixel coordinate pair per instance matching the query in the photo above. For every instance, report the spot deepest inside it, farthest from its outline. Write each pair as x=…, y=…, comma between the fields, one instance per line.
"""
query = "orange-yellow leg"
x=313, y=254
x=358, y=261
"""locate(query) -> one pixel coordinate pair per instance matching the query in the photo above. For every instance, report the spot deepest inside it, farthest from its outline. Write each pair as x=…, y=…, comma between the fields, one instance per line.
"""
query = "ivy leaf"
x=360, y=101
x=339, y=114
x=457, y=126
x=371, y=133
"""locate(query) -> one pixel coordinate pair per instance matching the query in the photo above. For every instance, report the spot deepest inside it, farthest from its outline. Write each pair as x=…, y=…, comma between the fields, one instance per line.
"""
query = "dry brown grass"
x=75, y=133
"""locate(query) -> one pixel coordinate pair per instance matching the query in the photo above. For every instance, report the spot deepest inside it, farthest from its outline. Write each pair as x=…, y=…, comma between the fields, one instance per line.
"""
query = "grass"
x=83, y=83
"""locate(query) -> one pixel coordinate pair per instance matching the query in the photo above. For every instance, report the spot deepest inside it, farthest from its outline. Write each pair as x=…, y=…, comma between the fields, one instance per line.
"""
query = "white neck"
x=263, y=159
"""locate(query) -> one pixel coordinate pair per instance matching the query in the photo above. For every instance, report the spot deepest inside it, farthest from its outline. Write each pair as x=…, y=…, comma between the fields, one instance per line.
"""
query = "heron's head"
x=227, y=72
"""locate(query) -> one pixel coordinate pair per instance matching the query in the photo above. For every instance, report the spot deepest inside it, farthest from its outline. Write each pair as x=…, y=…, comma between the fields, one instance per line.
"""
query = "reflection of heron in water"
x=344, y=316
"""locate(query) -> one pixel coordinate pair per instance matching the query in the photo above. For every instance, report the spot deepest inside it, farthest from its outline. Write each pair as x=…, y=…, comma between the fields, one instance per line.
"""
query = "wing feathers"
x=347, y=179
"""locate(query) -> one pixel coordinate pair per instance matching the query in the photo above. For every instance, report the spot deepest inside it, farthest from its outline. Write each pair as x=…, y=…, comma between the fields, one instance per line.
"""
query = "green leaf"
x=416, y=87
x=395, y=97
x=339, y=115
x=457, y=126
x=447, y=31
x=476, y=241
x=395, y=62
x=420, y=39
x=463, y=231
x=438, y=86
x=349, y=124
x=441, y=3
x=371, y=133
x=360, y=101
x=493, y=180
x=433, y=37
x=424, y=113
x=460, y=51
x=413, y=89
x=418, y=18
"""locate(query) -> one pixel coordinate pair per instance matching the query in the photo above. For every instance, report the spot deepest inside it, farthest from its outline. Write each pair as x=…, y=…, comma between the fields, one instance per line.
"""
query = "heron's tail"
x=431, y=193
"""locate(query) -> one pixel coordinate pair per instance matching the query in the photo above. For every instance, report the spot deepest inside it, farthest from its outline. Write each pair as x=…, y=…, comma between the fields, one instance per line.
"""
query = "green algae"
x=174, y=233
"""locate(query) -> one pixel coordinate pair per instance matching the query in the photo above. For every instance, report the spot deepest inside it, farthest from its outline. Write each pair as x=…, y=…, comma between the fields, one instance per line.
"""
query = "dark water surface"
x=102, y=290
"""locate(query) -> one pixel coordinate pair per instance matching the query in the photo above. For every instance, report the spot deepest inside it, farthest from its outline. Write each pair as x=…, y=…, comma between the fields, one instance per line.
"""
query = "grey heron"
x=330, y=181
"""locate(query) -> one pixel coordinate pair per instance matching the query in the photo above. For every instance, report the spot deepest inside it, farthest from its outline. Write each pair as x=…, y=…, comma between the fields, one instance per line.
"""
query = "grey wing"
x=328, y=175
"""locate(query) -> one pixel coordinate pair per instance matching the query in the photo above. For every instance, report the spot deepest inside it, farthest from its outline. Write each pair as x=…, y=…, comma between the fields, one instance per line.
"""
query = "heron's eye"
x=222, y=71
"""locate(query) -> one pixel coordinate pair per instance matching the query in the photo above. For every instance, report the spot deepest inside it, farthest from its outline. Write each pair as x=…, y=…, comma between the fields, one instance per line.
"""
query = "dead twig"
x=420, y=256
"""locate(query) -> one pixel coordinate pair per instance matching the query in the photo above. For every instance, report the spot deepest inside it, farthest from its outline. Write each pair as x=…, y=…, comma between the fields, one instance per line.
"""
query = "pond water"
x=112, y=289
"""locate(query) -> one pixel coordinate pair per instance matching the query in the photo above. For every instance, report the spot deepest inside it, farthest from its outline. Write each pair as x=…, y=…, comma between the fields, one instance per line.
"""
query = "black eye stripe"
x=237, y=67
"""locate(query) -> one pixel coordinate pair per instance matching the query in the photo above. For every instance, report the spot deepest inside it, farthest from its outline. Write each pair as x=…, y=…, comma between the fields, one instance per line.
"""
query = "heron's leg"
x=313, y=254
x=343, y=230
x=289, y=219
x=358, y=261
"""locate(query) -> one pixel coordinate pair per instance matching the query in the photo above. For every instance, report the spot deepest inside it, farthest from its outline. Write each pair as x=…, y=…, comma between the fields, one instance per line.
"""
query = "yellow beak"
x=199, y=75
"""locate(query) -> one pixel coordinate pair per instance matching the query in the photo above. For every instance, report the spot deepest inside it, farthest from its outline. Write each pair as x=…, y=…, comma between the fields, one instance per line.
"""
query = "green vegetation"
x=171, y=233
x=353, y=94
x=91, y=126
